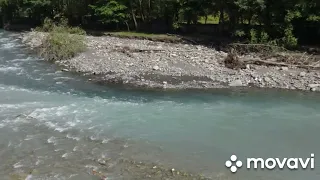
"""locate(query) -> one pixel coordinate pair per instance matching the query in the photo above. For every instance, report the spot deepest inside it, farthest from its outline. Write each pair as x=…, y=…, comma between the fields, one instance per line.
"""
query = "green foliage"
x=110, y=11
x=253, y=36
x=239, y=33
x=289, y=40
x=277, y=20
x=62, y=42
x=59, y=46
x=264, y=37
x=60, y=27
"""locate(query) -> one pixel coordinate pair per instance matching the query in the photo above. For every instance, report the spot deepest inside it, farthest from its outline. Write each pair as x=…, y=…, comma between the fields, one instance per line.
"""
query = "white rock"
x=313, y=89
x=247, y=66
x=165, y=82
x=29, y=177
x=302, y=74
x=314, y=85
x=284, y=68
x=156, y=68
x=236, y=83
x=267, y=79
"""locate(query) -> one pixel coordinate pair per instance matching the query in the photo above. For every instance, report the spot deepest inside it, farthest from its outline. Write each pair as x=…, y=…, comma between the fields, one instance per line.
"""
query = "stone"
x=313, y=89
x=284, y=68
x=267, y=79
x=156, y=68
x=165, y=82
x=236, y=83
x=247, y=66
x=65, y=70
x=302, y=74
x=314, y=85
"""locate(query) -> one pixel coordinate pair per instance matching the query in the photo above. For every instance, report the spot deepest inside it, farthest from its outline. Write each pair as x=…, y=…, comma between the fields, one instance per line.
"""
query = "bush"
x=58, y=46
x=62, y=42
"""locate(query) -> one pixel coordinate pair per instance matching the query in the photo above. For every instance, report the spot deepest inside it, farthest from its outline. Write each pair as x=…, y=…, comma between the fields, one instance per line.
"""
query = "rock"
x=165, y=82
x=247, y=66
x=236, y=83
x=303, y=74
x=155, y=68
x=314, y=85
x=267, y=79
x=29, y=177
x=313, y=89
x=65, y=70
x=284, y=68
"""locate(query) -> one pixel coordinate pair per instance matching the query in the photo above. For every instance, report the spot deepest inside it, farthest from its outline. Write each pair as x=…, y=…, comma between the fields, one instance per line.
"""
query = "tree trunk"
x=221, y=18
x=141, y=11
x=128, y=27
x=133, y=16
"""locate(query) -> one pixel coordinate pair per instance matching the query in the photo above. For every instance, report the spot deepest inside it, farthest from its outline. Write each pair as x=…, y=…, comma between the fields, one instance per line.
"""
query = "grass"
x=211, y=20
x=140, y=35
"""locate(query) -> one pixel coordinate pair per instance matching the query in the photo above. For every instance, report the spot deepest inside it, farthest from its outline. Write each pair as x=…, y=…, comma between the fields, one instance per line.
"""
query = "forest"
x=282, y=22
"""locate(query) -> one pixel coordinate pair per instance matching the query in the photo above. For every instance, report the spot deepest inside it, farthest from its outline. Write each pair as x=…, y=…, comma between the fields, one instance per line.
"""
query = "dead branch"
x=272, y=63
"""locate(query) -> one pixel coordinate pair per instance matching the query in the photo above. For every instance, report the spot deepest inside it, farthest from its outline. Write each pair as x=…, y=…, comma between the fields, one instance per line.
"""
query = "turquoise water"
x=50, y=119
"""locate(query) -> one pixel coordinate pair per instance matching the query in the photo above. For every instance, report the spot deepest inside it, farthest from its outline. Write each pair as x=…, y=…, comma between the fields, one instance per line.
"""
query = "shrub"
x=63, y=41
x=61, y=45
x=253, y=36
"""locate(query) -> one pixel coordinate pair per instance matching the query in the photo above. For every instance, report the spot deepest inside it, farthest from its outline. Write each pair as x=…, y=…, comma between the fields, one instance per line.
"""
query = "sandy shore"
x=149, y=64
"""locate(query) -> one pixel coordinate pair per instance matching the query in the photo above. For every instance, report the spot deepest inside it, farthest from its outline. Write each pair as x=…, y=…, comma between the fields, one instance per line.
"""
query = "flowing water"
x=59, y=125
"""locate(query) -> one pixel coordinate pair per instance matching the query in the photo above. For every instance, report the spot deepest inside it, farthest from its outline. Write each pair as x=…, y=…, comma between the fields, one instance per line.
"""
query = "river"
x=56, y=123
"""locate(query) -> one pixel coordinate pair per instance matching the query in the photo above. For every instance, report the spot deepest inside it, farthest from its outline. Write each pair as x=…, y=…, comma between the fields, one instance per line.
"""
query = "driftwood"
x=273, y=63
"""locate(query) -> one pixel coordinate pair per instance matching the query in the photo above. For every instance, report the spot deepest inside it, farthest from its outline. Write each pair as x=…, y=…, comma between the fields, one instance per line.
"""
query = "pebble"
x=194, y=61
x=236, y=83
x=155, y=68
x=267, y=79
x=302, y=74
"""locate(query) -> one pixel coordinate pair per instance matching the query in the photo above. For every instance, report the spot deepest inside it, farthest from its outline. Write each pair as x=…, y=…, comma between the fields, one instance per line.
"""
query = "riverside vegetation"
x=257, y=55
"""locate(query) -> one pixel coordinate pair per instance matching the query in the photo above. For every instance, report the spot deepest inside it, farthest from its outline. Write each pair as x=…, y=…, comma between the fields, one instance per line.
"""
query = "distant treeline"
x=286, y=22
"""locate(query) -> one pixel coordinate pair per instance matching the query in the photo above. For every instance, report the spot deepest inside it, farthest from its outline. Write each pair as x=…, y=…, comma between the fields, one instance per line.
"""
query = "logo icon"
x=229, y=163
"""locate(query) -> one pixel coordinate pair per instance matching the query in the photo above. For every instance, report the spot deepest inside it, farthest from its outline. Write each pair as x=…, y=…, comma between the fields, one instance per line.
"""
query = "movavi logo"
x=271, y=163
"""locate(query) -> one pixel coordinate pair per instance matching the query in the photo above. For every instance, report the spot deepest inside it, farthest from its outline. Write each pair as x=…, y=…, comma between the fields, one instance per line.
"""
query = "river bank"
x=161, y=65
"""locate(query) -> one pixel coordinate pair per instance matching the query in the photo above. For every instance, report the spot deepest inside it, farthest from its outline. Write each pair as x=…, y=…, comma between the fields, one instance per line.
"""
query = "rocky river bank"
x=150, y=64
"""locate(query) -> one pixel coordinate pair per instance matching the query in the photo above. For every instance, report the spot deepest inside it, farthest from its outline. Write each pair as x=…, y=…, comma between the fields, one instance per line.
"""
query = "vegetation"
x=62, y=42
x=284, y=22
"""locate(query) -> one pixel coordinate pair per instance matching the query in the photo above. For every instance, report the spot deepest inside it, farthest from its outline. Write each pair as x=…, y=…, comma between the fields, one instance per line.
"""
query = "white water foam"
x=9, y=69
